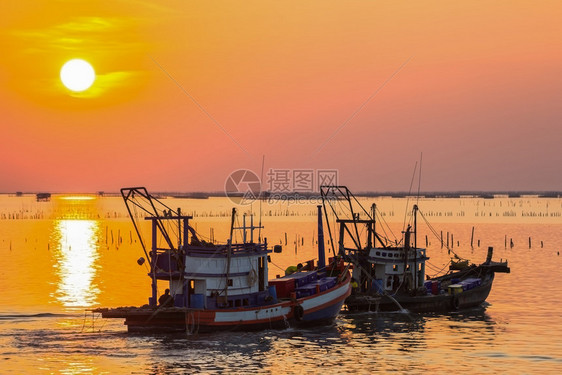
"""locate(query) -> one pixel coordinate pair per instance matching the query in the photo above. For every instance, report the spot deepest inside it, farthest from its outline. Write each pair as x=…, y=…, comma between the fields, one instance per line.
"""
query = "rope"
x=435, y=268
x=277, y=266
x=195, y=323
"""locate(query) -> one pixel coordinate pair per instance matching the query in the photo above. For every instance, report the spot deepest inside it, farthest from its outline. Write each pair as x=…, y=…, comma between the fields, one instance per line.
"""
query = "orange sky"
x=475, y=86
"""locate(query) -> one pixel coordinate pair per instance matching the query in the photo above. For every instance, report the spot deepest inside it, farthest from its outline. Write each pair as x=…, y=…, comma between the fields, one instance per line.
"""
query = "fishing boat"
x=220, y=287
x=391, y=275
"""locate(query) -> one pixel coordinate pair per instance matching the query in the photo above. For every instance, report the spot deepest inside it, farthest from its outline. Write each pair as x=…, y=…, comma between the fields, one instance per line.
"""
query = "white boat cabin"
x=395, y=266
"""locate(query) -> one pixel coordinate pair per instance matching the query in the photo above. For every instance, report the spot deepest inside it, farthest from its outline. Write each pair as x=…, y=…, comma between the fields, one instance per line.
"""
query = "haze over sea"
x=76, y=252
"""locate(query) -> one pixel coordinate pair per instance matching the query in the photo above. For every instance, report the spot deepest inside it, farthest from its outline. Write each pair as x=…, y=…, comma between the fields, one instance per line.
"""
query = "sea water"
x=63, y=257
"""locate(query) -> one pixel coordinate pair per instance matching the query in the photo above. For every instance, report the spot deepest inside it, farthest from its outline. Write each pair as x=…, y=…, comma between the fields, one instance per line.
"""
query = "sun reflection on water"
x=77, y=252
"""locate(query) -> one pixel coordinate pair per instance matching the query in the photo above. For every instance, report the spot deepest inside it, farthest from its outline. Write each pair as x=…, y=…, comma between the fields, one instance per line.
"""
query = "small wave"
x=541, y=358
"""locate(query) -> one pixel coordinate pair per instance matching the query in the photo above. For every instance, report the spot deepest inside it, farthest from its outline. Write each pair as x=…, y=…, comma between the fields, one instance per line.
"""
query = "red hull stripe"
x=275, y=313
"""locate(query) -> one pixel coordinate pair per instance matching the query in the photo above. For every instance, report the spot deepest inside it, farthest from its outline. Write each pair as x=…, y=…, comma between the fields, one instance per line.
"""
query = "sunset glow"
x=77, y=248
x=265, y=186
x=363, y=87
x=78, y=197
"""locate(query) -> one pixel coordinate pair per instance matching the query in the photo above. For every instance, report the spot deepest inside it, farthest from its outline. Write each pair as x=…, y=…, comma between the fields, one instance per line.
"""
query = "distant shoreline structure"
x=316, y=195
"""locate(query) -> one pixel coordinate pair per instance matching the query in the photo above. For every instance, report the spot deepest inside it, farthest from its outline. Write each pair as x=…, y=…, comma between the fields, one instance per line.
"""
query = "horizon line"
x=391, y=193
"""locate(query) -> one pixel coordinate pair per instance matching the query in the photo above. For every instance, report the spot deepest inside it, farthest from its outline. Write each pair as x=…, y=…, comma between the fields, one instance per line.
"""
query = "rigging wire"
x=438, y=237
x=384, y=227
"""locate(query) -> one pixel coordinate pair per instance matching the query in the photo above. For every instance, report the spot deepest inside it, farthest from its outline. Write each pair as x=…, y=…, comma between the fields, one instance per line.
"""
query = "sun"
x=77, y=75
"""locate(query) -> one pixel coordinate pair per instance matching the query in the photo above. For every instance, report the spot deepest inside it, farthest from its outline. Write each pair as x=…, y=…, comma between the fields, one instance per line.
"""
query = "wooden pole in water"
x=313, y=238
x=426, y=245
x=505, y=241
x=529, y=242
x=441, y=239
x=472, y=238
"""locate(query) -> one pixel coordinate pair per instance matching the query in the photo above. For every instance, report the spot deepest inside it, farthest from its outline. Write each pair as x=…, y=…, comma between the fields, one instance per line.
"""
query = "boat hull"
x=319, y=309
x=442, y=302
x=421, y=304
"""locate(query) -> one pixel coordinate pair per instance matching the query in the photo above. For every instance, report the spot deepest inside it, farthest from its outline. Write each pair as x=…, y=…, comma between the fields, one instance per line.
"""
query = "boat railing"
x=222, y=250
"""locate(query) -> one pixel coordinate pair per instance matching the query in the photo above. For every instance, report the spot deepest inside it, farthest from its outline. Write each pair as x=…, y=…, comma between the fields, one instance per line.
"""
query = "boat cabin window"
x=239, y=302
x=408, y=267
x=230, y=283
x=395, y=267
x=378, y=253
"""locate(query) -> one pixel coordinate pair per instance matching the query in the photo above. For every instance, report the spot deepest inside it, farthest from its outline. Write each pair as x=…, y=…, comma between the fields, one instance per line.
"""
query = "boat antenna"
x=409, y=193
x=419, y=178
x=260, y=195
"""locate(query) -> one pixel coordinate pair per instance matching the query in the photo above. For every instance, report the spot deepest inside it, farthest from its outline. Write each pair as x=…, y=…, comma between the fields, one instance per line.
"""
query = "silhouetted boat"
x=391, y=276
x=43, y=197
x=216, y=287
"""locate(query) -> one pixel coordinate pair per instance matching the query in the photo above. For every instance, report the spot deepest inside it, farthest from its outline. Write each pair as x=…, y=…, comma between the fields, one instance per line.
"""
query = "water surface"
x=73, y=253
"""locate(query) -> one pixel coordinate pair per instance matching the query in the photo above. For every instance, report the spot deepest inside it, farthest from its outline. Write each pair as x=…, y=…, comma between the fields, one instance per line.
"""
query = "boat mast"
x=229, y=254
x=321, y=252
x=416, y=245
x=324, y=195
x=372, y=234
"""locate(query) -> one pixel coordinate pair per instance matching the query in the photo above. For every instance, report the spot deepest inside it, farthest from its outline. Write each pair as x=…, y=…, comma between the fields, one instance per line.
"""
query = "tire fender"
x=455, y=303
x=298, y=312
